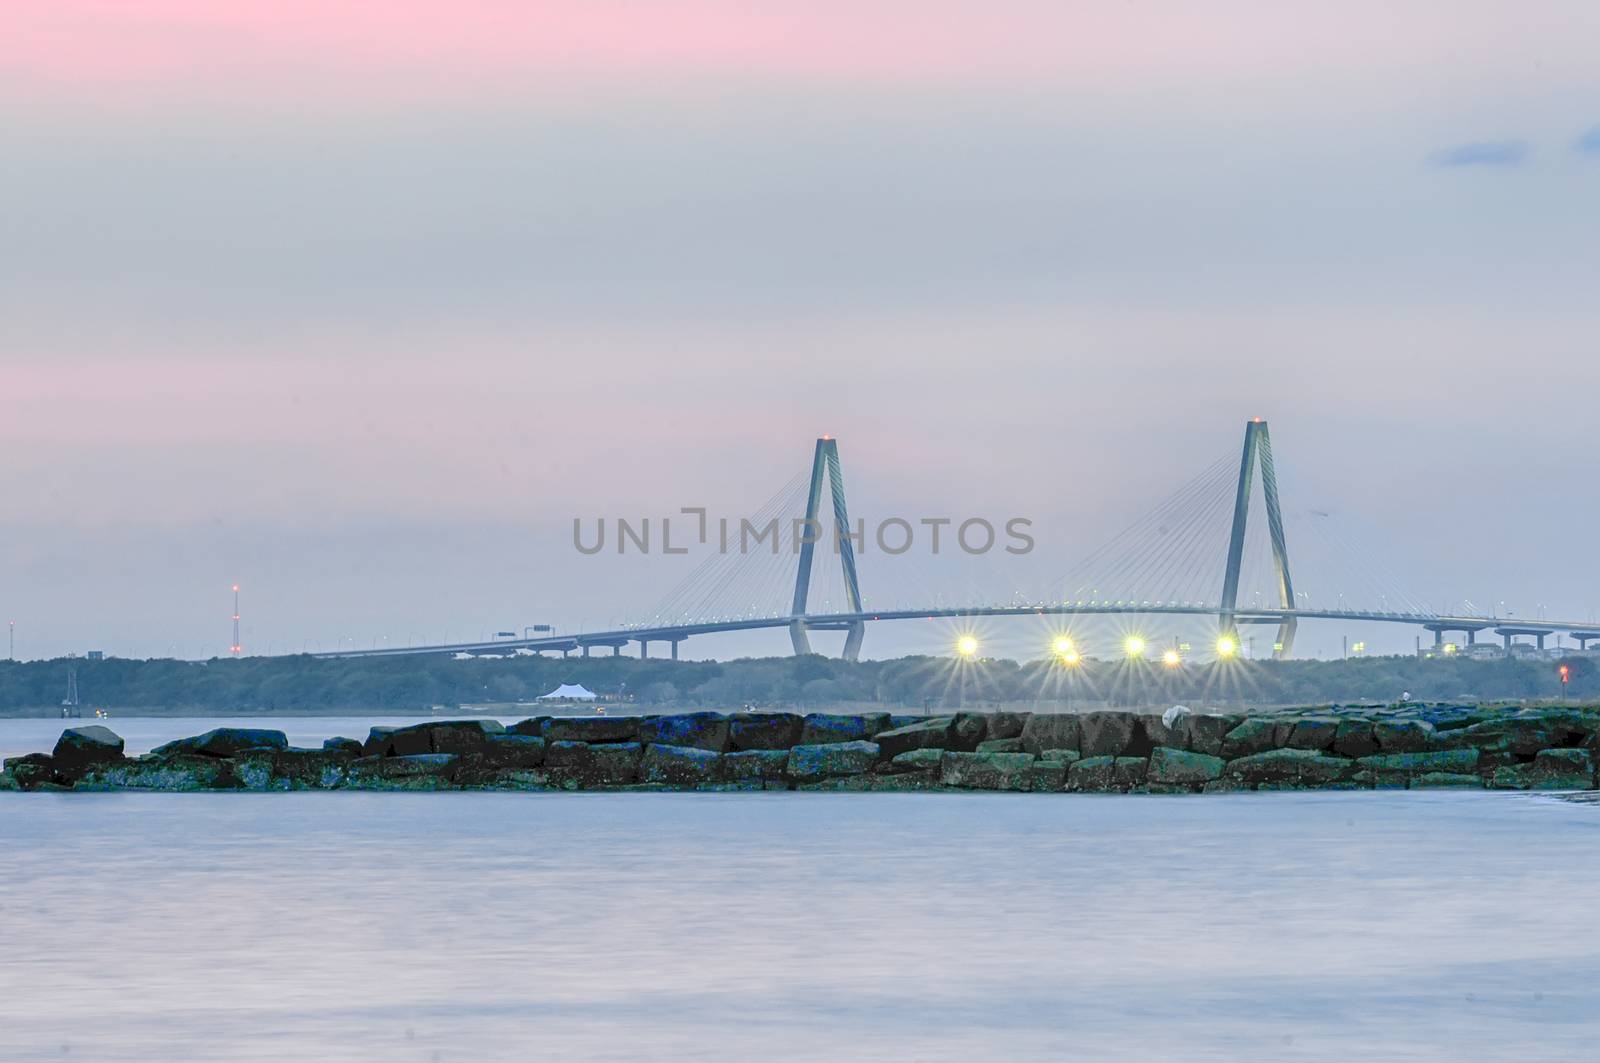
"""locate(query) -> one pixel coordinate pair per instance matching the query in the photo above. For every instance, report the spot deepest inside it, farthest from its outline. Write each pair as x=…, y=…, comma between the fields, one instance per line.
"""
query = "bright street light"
x=1171, y=659
x=1134, y=646
x=1226, y=646
x=967, y=646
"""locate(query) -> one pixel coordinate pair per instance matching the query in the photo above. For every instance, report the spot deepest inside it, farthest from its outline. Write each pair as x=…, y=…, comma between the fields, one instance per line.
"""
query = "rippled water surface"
x=797, y=926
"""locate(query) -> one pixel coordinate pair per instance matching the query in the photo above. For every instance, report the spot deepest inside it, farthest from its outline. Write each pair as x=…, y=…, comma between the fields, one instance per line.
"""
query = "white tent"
x=569, y=690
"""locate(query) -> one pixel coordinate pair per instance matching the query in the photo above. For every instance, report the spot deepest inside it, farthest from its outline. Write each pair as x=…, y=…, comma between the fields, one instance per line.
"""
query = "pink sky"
x=388, y=50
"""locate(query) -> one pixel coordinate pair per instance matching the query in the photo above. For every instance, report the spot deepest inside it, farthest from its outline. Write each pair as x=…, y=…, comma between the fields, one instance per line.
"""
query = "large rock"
x=1006, y=724
x=82, y=747
x=1205, y=734
x=1253, y=735
x=686, y=766
x=764, y=730
x=1405, y=736
x=1053, y=730
x=412, y=771
x=1048, y=776
x=31, y=770
x=872, y=783
x=307, y=769
x=1519, y=735
x=1551, y=769
x=831, y=758
x=1106, y=734
x=1445, y=780
x=581, y=766
x=932, y=733
x=987, y=771
x=178, y=772
x=1354, y=738
x=348, y=748
x=1177, y=767
x=914, y=760
x=1446, y=760
x=1303, y=767
x=697, y=730
x=820, y=728
x=533, y=726
x=226, y=742
x=591, y=729
x=506, y=751
x=463, y=737
x=1001, y=745
x=1314, y=732
x=377, y=743
x=1106, y=775
x=967, y=730
x=755, y=765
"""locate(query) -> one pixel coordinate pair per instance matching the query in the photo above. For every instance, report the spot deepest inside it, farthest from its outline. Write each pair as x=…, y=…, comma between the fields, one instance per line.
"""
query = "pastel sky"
x=360, y=304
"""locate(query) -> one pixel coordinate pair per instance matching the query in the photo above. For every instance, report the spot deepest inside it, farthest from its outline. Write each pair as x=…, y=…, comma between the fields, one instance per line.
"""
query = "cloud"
x=1589, y=143
x=1483, y=153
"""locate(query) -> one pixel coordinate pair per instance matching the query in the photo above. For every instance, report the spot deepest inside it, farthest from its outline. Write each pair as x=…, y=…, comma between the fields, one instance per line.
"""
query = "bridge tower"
x=825, y=461
x=1258, y=447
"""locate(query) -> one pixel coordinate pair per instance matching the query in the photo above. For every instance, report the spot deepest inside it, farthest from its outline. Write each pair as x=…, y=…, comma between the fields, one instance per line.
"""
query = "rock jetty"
x=1334, y=748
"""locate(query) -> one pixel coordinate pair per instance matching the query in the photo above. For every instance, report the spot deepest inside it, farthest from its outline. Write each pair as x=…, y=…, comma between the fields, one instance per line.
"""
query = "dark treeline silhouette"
x=402, y=684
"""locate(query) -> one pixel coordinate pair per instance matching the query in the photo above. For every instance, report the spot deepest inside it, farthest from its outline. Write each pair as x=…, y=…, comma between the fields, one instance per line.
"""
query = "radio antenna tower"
x=235, y=648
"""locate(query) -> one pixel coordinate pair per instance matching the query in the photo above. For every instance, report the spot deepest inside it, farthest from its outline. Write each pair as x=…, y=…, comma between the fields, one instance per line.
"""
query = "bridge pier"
x=644, y=648
x=675, y=648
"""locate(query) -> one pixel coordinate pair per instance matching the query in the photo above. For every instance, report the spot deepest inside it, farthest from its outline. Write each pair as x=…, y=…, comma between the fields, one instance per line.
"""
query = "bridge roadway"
x=676, y=633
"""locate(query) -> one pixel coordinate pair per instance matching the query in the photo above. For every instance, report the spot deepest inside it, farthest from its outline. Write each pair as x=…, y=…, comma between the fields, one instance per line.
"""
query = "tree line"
x=417, y=683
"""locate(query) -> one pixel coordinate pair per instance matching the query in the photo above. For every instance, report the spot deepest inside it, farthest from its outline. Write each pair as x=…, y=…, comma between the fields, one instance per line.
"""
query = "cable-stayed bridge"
x=1216, y=549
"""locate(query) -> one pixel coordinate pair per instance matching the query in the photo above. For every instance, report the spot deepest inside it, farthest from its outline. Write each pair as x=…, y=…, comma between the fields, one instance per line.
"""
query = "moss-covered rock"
x=1445, y=780
x=1551, y=769
x=415, y=771
x=764, y=730
x=171, y=772
x=987, y=771
x=1106, y=774
x=755, y=765
x=1182, y=768
x=1250, y=736
x=1446, y=760
x=582, y=766
x=692, y=730
x=226, y=742
x=932, y=733
x=822, y=760
x=912, y=760
x=591, y=729
x=680, y=766
x=1204, y=733
x=1006, y=724
x=821, y=728
x=1051, y=730
x=1354, y=737
x=1303, y=767
x=1314, y=732
x=1405, y=736
x=1000, y=745
x=1048, y=776
x=1106, y=734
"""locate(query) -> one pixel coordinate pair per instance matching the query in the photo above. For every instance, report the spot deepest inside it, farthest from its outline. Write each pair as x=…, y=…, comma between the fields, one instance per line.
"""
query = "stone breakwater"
x=1094, y=752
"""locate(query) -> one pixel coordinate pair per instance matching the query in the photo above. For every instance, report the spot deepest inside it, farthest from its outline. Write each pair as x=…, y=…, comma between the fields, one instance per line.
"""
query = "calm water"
x=797, y=926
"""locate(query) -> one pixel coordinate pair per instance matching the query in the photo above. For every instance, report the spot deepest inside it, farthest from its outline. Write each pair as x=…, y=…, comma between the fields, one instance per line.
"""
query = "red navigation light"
x=1566, y=674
